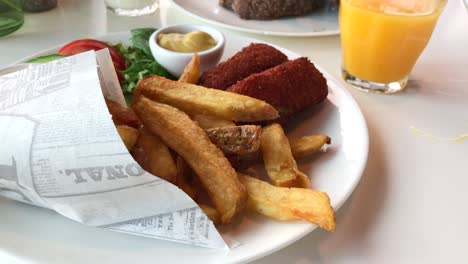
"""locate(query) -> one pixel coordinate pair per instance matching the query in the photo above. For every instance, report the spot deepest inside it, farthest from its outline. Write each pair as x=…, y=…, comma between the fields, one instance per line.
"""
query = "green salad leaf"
x=140, y=38
x=139, y=60
x=46, y=58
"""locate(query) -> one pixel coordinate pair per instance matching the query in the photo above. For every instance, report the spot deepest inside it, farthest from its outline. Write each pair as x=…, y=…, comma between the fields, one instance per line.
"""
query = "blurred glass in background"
x=11, y=16
x=132, y=7
x=38, y=5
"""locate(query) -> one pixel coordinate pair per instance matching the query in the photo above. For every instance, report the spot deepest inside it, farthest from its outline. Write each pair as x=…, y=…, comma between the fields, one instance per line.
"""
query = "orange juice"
x=382, y=39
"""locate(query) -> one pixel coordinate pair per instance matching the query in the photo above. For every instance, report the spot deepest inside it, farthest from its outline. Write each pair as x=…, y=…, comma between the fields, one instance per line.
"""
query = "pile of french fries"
x=187, y=135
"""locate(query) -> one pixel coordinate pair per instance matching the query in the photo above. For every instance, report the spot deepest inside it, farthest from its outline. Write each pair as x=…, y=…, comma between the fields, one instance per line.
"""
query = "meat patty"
x=289, y=87
x=252, y=59
x=271, y=9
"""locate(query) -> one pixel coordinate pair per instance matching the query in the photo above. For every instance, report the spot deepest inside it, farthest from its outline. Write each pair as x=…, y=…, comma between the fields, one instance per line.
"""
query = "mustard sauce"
x=196, y=41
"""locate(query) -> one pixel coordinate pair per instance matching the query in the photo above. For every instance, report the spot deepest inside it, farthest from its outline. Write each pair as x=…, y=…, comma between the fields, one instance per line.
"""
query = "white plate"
x=319, y=23
x=32, y=234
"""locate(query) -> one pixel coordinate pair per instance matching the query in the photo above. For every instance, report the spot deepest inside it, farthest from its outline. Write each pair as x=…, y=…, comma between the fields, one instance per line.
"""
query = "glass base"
x=10, y=28
x=135, y=12
x=374, y=87
x=10, y=22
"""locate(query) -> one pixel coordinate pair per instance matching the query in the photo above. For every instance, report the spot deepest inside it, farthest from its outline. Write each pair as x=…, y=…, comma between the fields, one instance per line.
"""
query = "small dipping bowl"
x=175, y=62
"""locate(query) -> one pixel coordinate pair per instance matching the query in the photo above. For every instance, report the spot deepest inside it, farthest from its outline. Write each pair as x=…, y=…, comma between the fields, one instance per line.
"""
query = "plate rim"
x=248, y=30
x=327, y=75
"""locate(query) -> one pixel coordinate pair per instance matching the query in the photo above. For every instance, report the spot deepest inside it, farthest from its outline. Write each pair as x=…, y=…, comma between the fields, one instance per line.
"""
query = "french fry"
x=183, y=180
x=239, y=140
x=190, y=75
x=283, y=203
x=279, y=162
x=192, y=71
x=190, y=141
x=196, y=99
x=129, y=135
x=212, y=214
x=207, y=122
x=308, y=145
x=122, y=115
x=159, y=161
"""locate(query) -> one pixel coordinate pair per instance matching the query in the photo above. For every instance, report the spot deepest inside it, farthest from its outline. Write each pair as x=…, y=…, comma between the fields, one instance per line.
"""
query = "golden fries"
x=308, y=145
x=279, y=162
x=159, y=161
x=289, y=203
x=128, y=135
x=238, y=140
x=190, y=75
x=192, y=71
x=183, y=178
x=195, y=99
x=212, y=214
x=122, y=115
x=188, y=135
x=185, y=137
x=207, y=122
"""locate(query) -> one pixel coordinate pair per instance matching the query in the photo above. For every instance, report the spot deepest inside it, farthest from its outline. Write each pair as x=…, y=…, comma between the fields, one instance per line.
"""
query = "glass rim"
x=439, y=7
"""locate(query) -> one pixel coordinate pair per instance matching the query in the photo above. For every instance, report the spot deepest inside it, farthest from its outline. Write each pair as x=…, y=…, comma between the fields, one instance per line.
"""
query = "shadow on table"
x=361, y=212
x=354, y=220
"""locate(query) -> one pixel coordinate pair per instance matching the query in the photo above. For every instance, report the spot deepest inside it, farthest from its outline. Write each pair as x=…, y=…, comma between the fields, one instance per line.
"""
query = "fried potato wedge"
x=207, y=122
x=191, y=72
x=129, y=135
x=159, y=160
x=122, y=115
x=239, y=140
x=184, y=178
x=212, y=214
x=279, y=162
x=190, y=75
x=196, y=99
x=283, y=203
x=241, y=162
x=190, y=141
x=308, y=145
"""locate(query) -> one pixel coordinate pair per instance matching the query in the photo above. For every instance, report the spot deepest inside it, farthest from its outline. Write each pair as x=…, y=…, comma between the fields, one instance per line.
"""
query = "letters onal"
x=108, y=172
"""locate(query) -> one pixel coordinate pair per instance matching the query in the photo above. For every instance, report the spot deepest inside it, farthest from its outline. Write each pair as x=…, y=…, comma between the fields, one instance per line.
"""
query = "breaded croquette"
x=252, y=59
x=289, y=87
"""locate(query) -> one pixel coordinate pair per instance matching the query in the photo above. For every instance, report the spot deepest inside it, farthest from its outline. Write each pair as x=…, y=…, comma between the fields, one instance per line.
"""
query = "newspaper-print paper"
x=60, y=150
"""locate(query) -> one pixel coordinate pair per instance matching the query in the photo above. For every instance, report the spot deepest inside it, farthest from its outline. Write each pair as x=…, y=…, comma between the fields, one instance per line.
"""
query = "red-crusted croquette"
x=289, y=87
x=252, y=59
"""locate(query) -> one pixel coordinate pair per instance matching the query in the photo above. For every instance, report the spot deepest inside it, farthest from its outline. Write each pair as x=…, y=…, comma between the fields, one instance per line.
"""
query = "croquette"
x=252, y=59
x=289, y=87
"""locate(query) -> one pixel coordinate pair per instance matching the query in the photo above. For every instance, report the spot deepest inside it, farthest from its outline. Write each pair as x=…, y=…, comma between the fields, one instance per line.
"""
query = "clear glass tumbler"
x=11, y=16
x=132, y=7
x=382, y=39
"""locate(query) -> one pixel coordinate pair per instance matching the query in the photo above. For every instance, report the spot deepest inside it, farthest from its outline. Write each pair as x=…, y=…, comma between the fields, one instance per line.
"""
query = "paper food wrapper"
x=60, y=150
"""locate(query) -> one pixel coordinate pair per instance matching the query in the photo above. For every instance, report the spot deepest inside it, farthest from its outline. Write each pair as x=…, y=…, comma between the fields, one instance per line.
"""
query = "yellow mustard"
x=196, y=41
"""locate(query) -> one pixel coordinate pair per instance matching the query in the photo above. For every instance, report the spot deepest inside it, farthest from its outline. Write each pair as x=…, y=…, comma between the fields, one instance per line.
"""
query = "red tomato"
x=82, y=45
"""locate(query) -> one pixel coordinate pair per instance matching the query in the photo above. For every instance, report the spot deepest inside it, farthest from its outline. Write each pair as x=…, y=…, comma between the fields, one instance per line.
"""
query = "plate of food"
x=299, y=143
x=297, y=18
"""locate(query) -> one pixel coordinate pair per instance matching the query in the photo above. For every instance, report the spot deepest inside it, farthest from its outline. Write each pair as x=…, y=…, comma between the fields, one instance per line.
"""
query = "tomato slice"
x=82, y=45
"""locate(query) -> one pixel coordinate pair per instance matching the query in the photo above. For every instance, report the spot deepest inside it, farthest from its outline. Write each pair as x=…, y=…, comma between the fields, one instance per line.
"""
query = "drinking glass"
x=382, y=39
x=132, y=7
x=11, y=16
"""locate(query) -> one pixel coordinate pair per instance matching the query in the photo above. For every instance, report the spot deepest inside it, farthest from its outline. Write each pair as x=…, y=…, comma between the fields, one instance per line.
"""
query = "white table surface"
x=410, y=206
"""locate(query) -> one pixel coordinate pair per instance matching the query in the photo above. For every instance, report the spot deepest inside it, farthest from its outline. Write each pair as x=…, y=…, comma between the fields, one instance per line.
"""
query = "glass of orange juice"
x=382, y=39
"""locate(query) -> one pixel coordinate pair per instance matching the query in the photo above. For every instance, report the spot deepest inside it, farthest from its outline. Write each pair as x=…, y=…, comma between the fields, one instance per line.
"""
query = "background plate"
x=42, y=236
x=319, y=23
